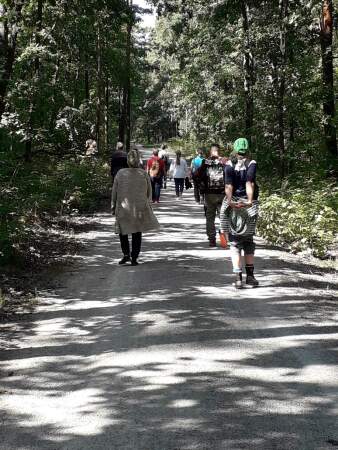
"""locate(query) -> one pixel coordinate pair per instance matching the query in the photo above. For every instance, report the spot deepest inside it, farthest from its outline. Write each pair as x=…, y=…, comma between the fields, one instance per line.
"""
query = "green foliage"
x=301, y=218
x=30, y=193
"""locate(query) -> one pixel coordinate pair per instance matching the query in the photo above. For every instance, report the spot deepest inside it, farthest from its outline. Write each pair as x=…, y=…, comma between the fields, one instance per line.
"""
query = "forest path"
x=168, y=356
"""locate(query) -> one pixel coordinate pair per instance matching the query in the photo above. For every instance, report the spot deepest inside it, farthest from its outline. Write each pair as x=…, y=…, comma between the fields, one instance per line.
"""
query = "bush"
x=29, y=192
x=301, y=218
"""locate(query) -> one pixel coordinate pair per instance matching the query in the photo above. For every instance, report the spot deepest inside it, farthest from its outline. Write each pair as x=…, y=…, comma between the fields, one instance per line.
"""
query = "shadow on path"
x=167, y=356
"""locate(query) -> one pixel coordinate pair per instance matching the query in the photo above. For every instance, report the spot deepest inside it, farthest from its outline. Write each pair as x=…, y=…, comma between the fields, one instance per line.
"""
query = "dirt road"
x=168, y=356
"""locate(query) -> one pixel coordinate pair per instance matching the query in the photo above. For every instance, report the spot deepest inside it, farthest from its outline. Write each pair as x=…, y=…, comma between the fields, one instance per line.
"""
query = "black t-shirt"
x=238, y=176
x=118, y=161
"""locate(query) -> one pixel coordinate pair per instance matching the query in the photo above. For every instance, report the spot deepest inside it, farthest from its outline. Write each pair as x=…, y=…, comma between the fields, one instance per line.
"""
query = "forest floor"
x=167, y=355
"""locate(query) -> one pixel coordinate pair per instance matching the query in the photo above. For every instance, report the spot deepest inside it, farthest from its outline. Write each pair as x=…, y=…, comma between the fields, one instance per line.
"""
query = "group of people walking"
x=226, y=186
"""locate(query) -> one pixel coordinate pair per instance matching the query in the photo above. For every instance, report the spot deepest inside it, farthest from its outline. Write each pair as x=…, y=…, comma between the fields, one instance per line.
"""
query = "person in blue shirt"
x=240, y=211
x=195, y=165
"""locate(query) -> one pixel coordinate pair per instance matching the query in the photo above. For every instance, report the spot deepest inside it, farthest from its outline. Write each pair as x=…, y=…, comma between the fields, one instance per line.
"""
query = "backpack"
x=154, y=170
x=215, y=177
x=196, y=164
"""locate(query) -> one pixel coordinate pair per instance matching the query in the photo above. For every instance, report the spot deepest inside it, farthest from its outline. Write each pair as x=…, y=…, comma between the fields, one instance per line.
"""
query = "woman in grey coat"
x=131, y=205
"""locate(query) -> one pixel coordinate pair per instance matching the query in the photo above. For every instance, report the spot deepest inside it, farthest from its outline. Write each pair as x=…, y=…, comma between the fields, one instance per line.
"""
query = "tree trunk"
x=121, y=115
x=281, y=78
x=128, y=84
x=329, y=109
x=86, y=78
x=99, y=106
x=8, y=44
x=107, y=97
x=249, y=69
x=32, y=108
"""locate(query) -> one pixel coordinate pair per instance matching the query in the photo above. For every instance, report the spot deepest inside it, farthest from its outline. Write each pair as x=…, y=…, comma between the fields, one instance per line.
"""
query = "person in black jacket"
x=118, y=160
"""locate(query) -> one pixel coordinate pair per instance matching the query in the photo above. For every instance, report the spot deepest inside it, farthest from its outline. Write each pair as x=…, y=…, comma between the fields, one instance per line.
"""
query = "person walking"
x=118, y=160
x=156, y=170
x=179, y=171
x=211, y=181
x=195, y=166
x=239, y=211
x=131, y=196
x=163, y=154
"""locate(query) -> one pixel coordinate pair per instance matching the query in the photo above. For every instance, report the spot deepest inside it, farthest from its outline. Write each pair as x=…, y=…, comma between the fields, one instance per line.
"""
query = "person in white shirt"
x=179, y=171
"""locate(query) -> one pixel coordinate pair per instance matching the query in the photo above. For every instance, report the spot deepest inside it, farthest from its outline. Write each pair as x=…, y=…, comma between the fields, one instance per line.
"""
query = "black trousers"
x=136, y=241
x=179, y=186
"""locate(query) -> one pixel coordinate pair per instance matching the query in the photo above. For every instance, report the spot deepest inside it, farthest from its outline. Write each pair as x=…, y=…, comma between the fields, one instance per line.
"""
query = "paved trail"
x=167, y=356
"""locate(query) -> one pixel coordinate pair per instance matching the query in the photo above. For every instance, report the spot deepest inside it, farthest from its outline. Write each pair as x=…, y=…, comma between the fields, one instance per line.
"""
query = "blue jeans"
x=179, y=186
x=156, y=184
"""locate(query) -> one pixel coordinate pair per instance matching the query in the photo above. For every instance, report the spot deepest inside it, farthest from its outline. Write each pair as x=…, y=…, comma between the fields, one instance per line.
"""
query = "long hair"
x=178, y=158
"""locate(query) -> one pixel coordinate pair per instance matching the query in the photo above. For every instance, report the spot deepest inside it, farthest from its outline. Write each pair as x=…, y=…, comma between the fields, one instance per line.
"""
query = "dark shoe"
x=212, y=243
x=124, y=260
x=251, y=281
x=134, y=262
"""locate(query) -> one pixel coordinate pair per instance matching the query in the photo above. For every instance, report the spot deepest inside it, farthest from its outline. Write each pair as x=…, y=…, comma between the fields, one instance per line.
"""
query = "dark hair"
x=155, y=152
x=178, y=157
x=215, y=145
x=234, y=157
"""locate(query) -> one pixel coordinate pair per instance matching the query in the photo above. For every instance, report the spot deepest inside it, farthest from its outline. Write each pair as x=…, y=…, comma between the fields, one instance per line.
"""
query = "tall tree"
x=326, y=40
x=249, y=70
x=10, y=19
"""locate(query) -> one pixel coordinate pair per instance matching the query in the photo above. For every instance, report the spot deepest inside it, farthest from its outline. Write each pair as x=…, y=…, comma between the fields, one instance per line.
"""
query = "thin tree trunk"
x=86, y=78
x=121, y=115
x=54, y=96
x=283, y=13
x=249, y=75
x=107, y=96
x=128, y=84
x=99, y=105
x=32, y=108
x=8, y=45
x=329, y=109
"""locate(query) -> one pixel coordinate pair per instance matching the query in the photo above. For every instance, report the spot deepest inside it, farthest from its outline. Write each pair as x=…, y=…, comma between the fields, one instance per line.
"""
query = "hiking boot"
x=124, y=260
x=212, y=243
x=251, y=281
x=134, y=262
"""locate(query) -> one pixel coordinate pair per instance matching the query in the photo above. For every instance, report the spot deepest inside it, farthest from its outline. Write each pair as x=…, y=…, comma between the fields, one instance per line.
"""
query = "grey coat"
x=131, y=197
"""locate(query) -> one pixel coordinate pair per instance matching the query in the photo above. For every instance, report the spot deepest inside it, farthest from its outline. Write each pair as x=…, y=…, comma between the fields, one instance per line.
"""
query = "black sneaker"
x=251, y=281
x=134, y=262
x=212, y=243
x=124, y=260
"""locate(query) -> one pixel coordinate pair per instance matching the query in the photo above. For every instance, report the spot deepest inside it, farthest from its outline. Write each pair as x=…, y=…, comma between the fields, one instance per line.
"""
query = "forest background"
x=75, y=71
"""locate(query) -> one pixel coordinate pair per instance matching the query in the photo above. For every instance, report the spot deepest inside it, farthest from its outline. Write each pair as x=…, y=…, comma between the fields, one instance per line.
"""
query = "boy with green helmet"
x=240, y=211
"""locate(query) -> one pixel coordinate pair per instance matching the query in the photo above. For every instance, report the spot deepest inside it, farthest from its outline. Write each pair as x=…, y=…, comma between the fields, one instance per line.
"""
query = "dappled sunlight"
x=170, y=352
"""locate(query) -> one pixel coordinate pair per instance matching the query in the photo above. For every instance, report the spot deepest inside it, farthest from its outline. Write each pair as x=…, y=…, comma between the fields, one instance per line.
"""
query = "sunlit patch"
x=77, y=413
x=183, y=403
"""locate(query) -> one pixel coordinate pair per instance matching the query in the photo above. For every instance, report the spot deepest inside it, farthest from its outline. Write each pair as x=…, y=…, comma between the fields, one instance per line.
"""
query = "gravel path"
x=168, y=356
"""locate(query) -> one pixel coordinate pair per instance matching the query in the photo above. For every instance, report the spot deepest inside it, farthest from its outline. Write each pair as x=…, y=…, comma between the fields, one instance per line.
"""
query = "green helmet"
x=241, y=146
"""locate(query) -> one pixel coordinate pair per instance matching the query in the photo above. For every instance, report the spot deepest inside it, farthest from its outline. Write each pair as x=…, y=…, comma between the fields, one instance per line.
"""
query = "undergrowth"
x=31, y=192
x=301, y=218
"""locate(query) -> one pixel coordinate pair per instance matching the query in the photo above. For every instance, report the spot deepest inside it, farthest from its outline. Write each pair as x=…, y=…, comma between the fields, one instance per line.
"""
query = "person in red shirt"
x=156, y=170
